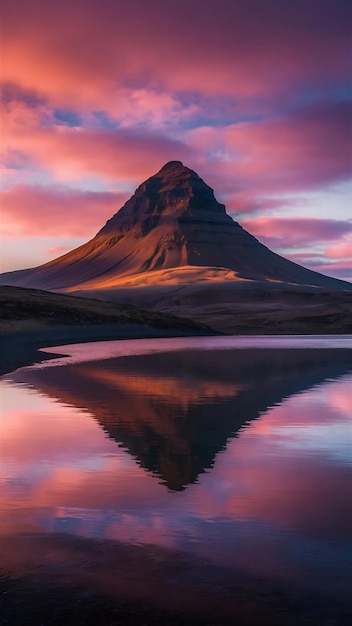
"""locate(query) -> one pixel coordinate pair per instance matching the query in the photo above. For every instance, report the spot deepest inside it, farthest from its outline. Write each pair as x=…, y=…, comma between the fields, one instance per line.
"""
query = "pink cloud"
x=248, y=162
x=339, y=269
x=80, y=51
x=31, y=134
x=340, y=250
x=243, y=204
x=56, y=211
x=301, y=151
x=307, y=256
x=296, y=231
x=290, y=233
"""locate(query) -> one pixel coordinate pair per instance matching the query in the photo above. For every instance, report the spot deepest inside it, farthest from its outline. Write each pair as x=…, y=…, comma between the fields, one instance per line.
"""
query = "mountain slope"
x=172, y=224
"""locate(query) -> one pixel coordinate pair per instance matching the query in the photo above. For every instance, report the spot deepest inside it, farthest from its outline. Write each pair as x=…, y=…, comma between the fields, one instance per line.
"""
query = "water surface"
x=217, y=463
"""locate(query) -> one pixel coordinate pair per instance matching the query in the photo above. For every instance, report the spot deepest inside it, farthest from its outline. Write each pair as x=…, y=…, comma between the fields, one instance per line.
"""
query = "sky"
x=254, y=95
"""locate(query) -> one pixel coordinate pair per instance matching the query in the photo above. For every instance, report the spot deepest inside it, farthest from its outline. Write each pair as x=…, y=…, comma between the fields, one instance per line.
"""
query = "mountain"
x=171, y=230
x=172, y=248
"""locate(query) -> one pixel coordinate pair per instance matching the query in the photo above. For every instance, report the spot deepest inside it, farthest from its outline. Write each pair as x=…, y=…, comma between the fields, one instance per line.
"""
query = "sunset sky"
x=255, y=95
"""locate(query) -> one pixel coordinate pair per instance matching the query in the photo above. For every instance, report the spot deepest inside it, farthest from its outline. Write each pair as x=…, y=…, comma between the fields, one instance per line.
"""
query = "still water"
x=212, y=463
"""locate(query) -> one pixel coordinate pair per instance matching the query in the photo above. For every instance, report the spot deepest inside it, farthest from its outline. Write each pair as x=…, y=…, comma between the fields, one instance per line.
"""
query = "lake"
x=207, y=476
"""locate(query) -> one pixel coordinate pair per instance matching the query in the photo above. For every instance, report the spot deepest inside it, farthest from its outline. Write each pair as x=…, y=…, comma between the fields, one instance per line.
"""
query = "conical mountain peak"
x=173, y=193
x=173, y=166
x=175, y=172
x=172, y=222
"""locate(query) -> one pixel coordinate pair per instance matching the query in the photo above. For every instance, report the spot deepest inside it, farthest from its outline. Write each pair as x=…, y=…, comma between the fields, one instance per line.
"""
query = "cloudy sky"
x=255, y=95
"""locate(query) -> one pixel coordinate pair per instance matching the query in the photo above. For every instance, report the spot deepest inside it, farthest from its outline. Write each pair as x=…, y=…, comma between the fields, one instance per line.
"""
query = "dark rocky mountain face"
x=178, y=212
x=176, y=192
x=172, y=221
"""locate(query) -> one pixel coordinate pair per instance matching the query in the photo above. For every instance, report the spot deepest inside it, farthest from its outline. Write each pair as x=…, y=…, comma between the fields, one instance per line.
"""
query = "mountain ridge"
x=172, y=222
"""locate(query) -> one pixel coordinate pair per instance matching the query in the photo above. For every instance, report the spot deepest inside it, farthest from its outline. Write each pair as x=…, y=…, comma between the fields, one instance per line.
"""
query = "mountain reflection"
x=173, y=413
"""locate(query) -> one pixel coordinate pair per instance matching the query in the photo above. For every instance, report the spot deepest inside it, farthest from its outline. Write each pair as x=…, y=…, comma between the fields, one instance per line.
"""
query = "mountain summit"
x=175, y=195
x=172, y=221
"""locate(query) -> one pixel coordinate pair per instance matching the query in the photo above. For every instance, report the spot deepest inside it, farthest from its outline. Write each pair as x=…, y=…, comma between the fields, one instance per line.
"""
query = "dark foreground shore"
x=31, y=319
x=21, y=342
x=24, y=605
x=86, y=582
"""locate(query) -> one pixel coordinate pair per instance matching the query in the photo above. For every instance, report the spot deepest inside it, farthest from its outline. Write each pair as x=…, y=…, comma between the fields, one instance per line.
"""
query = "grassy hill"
x=30, y=319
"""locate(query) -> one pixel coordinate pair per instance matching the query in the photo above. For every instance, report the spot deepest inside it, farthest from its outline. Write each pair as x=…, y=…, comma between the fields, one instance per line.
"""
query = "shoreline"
x=20, y=346
x=22, y=343
x=31, y=319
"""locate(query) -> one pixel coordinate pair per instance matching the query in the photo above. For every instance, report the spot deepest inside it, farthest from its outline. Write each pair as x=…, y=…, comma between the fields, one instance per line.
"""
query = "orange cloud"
x=56, y=250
